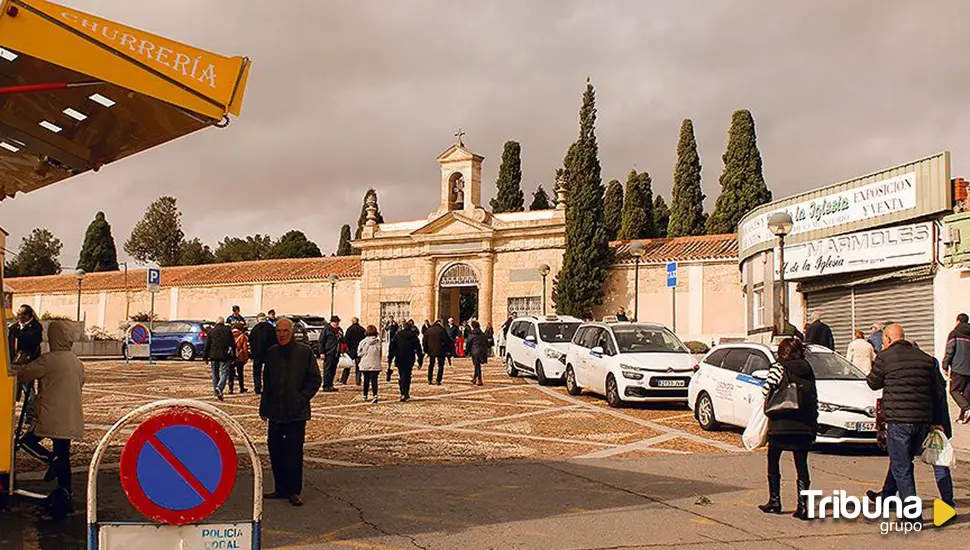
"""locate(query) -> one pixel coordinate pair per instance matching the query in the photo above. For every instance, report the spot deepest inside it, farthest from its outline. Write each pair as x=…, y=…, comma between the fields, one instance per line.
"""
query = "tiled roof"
x=255, y=272
x=682, y=249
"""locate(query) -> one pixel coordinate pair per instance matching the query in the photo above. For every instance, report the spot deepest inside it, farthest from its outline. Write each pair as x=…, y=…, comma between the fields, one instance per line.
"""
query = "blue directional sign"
x=671, y=274
x=154, y=276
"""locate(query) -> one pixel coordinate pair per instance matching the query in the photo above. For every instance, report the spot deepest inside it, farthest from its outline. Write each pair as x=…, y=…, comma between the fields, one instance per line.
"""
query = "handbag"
x=784, y=398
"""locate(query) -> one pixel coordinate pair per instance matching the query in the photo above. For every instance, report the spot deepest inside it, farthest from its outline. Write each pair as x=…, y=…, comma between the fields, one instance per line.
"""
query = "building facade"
x=860, y=252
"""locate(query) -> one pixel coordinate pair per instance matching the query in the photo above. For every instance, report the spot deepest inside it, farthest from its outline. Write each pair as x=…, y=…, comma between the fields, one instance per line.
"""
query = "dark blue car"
x=182, y=339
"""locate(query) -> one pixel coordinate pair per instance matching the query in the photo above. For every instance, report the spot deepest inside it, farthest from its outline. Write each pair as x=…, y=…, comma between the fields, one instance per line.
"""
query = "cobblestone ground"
x=507, y=419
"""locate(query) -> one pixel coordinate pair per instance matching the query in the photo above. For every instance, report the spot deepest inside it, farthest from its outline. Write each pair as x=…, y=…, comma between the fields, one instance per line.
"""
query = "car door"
x=717, y=382
x=162, y=344
x=577, y=352
x=514, y=342
x=600, y=363
x=727, y=388
x=747, y=393
x=585, y=357
x=529, y=348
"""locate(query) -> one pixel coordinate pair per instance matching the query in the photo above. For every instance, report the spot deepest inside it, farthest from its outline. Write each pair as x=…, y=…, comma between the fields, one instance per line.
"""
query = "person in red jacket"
x=242, y=357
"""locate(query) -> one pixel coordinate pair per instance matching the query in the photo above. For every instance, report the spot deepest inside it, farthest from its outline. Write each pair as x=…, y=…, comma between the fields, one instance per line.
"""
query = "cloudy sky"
x=354, y=94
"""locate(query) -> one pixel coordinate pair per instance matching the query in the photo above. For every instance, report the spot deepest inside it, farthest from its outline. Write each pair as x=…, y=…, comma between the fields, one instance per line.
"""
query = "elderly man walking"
x=911, y=390
x=291, y=378
x=819, y=333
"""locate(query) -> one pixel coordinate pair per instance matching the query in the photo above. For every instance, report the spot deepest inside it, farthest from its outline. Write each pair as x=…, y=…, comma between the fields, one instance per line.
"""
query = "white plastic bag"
x=756, y=432
x=345, y=362
x=937, y=450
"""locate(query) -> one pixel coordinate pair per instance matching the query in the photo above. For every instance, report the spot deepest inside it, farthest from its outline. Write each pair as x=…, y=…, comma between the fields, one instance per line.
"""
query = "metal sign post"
x=177, y=468
x=154, y=285
x=672, y=285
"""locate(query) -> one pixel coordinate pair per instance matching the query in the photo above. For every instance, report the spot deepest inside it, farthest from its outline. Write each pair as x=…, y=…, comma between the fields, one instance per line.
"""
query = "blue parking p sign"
x=671, y=274
x=154, y=277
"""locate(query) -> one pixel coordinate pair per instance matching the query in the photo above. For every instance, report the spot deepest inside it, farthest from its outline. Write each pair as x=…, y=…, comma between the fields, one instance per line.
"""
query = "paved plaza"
x=508, y=465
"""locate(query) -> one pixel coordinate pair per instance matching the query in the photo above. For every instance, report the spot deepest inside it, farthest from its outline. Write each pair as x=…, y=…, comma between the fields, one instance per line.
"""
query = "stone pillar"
x=485, y=305
x=428, y=287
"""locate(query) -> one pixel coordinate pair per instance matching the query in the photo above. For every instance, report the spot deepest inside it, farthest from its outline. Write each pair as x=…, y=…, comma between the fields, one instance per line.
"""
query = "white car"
x=728, y=385
x=628, y=362
x=538, y=346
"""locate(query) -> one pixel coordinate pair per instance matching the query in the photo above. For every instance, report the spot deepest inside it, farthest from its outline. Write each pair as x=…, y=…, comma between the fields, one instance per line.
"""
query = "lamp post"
x=780, y=224
x=544, y=270
x=79, y=275
x=333, y=288
x=127, y=293
x=637, y=250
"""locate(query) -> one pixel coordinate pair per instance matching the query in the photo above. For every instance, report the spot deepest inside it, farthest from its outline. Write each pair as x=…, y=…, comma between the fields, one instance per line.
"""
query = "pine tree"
x=235, y=249
x=158, y=236
x=540, y=200
x=613, y=208
x=579, y=284
x=509, y=197
x=37, y=255
x=661, y=216
x=742, y=182
x=98, y=252
x=637, y=220
x=687, y=196
x=343, y=246
x=195, y=252
x=362, y=219
x=293, y=244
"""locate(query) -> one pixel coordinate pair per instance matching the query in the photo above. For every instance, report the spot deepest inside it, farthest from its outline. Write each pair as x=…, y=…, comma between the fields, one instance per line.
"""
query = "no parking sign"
x=177, y=468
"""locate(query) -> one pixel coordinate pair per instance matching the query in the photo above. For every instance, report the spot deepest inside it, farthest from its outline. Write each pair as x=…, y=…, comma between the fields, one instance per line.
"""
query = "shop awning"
x=78, y=92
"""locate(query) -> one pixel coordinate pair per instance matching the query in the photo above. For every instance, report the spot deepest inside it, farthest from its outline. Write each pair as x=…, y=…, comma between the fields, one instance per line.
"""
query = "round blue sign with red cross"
x=178, y=467
x=138, y=334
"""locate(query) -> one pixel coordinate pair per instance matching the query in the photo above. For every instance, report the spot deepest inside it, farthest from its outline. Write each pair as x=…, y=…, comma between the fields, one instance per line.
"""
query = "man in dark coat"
x=437, y=346
x=956, y=363
x=875, y=336
x=261, y=338
x=352, y=337
x=292, y=378
x=819, y=333
x=910, y=397
x=407, y=352
x=25, y=336
x=220, y=352
x=330, y=339
x=477, y=349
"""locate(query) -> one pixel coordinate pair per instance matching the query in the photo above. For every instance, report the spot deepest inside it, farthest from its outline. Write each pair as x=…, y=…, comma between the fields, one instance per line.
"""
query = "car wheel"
x=704, y=411
x=510, y=367
x=187, y=352
x=572, y=388
x=541, y=375
x=613, y=393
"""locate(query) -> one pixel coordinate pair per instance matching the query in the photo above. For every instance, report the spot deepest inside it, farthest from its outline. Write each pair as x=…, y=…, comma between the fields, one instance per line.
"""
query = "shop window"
x=758, y=308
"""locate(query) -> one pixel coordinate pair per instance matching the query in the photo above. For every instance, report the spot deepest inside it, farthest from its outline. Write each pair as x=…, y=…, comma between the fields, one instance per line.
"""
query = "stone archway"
x=458, y=293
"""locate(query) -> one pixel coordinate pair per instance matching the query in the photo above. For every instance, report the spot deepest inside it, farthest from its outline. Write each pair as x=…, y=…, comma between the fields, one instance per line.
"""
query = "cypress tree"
x=362, y=220
x=98, y=253
x=613, y=208
x=343, y=246
x=540, y=200
x=742, y=182
x=661, y=215
x=687, y=196
x=509, y=197
x=578, y=286
x=637, y=220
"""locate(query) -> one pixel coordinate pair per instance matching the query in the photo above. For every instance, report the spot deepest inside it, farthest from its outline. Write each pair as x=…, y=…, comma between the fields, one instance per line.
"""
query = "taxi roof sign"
x=80, y=91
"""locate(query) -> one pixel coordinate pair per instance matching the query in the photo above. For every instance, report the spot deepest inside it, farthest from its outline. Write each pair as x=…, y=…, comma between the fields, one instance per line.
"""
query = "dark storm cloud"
x=349, y=95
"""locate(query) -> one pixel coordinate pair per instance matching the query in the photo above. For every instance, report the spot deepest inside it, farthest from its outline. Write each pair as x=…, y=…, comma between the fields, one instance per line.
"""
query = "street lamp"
x=79, y=275
x=333, y=287
x=637, y=250
x=544, y=270
x=780, y=224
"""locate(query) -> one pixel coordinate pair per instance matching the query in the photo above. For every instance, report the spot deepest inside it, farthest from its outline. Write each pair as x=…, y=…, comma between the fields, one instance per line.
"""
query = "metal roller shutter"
x=835, y=306
x=907, y=303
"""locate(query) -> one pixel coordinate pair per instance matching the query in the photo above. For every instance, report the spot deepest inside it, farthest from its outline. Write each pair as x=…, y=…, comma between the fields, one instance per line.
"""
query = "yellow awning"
x=78, y=91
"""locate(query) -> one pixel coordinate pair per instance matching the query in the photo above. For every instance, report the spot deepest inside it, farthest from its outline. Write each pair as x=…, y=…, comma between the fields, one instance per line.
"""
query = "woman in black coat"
x=477, y=348
x=407, y=353
x=792, y=430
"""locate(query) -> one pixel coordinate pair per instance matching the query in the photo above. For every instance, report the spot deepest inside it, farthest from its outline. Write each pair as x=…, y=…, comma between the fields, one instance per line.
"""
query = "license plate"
x=861, y=426
x=671, y=383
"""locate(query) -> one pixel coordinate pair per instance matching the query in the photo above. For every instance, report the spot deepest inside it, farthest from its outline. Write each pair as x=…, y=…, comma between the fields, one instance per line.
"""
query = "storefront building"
x=860, y=252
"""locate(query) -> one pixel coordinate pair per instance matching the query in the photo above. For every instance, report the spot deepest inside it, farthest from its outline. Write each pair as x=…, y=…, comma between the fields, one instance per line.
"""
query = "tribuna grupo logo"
x=898, y=515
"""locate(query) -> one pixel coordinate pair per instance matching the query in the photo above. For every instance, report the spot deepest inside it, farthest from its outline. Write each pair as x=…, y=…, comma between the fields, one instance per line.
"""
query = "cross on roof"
x=458, y=135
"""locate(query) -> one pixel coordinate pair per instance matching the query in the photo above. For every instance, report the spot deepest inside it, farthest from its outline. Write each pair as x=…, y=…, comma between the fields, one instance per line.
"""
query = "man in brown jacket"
x=60, y=376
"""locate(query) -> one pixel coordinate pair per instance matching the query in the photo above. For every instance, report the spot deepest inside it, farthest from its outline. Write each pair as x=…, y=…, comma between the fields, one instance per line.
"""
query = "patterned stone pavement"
x=507, y=419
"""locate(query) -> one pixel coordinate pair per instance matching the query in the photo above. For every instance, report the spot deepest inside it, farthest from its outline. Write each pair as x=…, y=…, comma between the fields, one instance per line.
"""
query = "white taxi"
x=728, y=385
x=628, y=362
x=538, y=346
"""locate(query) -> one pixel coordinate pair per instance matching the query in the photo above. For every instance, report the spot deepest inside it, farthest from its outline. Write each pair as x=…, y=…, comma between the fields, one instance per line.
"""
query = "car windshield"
x=557, y=332
x=646, y=339
x=831, y=366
